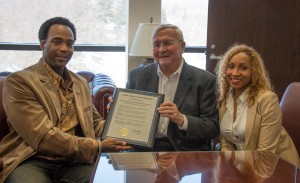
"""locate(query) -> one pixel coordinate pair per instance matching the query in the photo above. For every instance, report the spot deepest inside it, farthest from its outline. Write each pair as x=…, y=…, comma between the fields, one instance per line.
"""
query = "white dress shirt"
x=234, y=131
x=168, y=86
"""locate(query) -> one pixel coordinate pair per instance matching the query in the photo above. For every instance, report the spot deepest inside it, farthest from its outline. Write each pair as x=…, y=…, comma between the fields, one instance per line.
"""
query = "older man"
x=188, y=115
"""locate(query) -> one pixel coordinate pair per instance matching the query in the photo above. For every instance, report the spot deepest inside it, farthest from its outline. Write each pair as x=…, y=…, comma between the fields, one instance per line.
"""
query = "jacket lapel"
x=183, y=85
x=250, y=122
x=49, y=88
x=151, y=79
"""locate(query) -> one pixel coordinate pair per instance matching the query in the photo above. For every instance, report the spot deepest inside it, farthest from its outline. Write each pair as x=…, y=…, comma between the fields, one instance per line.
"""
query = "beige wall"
x=140, y=11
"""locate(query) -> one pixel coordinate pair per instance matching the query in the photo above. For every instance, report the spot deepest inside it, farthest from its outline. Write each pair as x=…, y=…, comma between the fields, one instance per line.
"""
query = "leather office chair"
x=290, y=107
x=4, y=73
x=101, y=87
x=3, y=123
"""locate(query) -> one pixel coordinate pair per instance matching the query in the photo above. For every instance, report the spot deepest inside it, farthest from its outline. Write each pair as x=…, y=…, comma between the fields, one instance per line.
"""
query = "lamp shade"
x=142, y=45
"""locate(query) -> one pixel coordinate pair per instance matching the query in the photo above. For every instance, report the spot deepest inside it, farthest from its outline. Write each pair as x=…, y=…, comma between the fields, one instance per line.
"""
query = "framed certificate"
x=133, y=117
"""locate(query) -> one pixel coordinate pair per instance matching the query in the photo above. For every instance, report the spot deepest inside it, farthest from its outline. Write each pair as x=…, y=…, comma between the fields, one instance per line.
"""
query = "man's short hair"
x=44, y=29
x=170, y=26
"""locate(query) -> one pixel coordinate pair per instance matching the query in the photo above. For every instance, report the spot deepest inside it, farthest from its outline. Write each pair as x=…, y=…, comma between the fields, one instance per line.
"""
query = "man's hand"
x=111, y=144
x=170, y=110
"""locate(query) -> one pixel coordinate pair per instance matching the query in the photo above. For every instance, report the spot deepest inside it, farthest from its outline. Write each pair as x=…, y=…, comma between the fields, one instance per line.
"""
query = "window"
x=101, y=32
x=191, y=18
x=102, y=25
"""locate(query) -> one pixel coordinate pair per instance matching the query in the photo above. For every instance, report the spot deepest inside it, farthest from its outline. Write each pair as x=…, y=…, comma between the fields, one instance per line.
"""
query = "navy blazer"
x=195, y=97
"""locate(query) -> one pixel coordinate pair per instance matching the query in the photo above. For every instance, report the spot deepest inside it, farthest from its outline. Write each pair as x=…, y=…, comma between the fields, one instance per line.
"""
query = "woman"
x=250, y=115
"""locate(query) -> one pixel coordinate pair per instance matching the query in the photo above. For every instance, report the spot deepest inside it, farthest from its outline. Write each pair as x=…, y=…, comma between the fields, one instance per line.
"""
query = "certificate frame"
x=133, y=117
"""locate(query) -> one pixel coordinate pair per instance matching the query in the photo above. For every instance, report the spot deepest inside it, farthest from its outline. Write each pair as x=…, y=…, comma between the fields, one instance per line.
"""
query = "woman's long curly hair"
x=260, y=78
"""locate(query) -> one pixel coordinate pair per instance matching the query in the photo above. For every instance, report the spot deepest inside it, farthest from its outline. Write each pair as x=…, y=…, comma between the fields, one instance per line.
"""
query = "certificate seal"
x=124, y=132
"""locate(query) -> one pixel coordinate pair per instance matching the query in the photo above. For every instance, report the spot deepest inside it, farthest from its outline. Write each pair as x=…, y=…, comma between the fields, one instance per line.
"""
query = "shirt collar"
x=177, y=72
x=242, y=98
x=55, y=77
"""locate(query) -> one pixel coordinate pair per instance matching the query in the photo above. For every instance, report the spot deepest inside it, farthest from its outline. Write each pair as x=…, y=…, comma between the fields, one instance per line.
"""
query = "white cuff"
x=185, y=123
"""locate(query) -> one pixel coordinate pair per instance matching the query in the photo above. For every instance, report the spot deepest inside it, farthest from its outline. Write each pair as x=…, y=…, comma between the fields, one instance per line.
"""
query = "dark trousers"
x=42, y=171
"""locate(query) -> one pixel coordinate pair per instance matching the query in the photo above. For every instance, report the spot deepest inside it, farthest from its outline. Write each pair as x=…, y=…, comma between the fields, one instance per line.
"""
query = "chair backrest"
x=290, y=107
x=101, y=87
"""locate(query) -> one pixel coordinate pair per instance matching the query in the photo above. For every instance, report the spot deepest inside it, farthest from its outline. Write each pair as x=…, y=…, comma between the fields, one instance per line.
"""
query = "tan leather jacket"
x=33, y=108
x=264, y=131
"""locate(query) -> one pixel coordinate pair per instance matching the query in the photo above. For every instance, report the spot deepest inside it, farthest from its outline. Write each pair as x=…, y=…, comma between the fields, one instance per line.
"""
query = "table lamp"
x=142, y=44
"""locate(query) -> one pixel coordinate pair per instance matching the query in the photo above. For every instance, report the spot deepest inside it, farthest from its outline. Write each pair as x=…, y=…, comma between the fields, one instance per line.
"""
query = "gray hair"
x=165, y=26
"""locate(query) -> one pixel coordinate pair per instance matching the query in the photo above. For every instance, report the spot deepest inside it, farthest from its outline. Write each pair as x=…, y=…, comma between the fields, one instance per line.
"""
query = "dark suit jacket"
x=195, y=97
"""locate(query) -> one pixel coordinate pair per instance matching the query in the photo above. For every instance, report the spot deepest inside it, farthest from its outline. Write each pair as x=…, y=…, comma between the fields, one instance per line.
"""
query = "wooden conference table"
x=190, y=167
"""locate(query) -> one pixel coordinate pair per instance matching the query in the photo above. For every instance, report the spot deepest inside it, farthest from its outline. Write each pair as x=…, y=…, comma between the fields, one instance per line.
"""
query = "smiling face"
x=239, y=73
x=168, y=50
x=58, y=47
